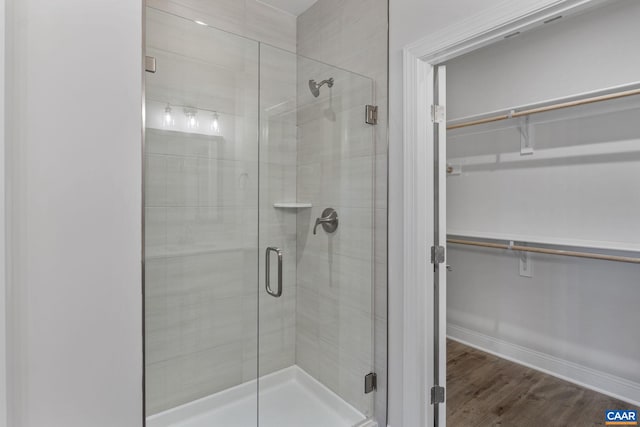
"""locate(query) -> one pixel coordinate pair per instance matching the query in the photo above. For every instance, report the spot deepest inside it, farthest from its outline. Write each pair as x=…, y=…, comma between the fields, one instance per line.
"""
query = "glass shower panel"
x=201, y=219
x=316, y=298
x=259, y=171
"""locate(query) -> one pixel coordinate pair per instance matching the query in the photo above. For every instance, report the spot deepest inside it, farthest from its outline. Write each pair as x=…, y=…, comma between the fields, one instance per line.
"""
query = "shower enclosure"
x=259, y=172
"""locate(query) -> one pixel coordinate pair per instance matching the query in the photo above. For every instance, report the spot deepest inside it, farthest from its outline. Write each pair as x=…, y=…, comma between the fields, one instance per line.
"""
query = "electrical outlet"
x=526, y=265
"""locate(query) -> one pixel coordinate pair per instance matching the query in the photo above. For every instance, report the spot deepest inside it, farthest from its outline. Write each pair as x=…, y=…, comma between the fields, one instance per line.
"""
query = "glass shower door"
x=315, y=313
x=259, y=171
x=201, y=217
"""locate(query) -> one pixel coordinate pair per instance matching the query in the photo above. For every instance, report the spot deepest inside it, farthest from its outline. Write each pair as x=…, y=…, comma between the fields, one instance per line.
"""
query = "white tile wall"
x=209, y=202
x=182, y=379
x=248, y=18
x=352, y=34
x=334, y=329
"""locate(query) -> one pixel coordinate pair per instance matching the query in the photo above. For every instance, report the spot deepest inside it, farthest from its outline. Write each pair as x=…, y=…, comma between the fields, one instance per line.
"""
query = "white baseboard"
x=611, y=385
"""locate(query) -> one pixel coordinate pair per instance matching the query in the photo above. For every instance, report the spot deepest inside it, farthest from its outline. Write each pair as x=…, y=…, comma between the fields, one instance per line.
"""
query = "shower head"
x=315, y=87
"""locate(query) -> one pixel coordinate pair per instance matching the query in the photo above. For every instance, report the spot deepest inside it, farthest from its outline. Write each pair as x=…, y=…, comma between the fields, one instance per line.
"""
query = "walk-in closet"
x=543, y=223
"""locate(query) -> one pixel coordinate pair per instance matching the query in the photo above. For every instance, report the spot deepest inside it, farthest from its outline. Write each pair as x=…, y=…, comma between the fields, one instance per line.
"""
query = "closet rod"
x=545, y=251
x=558, y=106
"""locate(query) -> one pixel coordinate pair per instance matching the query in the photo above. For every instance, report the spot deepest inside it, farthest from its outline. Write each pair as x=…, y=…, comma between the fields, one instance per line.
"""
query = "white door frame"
x=420, y=57
x=3, y=288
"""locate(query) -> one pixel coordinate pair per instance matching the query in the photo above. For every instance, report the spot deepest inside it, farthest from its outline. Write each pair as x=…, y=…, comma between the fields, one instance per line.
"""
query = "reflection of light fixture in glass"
x=167, y=119
x=215, y=124
x=192, y=120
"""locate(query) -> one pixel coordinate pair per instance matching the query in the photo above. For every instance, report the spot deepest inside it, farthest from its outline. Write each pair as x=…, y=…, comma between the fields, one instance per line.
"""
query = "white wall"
x=579, y=187
x=74, y=78
x=569, y=56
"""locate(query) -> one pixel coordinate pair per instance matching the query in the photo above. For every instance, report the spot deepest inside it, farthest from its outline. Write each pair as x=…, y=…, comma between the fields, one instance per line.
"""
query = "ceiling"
x=294, y=7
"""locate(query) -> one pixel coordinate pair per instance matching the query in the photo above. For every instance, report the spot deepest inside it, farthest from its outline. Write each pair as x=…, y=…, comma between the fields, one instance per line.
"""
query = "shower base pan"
x=288, y=398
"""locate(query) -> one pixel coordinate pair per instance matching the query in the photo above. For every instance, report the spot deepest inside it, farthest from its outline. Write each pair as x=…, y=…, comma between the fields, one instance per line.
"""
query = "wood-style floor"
x=484, y=390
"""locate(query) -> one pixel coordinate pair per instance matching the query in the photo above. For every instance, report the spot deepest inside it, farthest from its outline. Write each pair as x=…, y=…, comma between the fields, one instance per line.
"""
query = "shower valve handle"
x=328, y=220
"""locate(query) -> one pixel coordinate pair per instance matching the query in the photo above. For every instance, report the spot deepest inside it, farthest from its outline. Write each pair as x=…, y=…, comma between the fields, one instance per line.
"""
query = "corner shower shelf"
x=292, y=205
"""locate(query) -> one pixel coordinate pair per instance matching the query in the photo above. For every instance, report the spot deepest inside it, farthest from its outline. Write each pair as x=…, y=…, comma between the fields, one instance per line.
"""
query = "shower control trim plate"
x=328, y=220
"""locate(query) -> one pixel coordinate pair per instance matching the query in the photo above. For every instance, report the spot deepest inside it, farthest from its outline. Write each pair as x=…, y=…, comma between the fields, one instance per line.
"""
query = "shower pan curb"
x=240, y=401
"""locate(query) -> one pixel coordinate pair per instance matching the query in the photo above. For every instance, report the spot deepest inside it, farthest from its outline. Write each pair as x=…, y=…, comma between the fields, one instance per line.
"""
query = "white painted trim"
x=3, y=289
x=610, y=385
x=492, y=25
x=418, y=237
x=418, y=59
x=442, y=238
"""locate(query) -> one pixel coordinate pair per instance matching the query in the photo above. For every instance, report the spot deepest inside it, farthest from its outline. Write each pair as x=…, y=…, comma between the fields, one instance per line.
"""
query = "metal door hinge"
x=437, y=394
x=370, y=382
x=150, y=64
x=437, y=254
x=371, y=115
x=438, y=114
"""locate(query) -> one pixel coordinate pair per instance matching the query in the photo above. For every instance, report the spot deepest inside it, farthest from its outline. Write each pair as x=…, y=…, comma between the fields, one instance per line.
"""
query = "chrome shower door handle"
x=267, y=270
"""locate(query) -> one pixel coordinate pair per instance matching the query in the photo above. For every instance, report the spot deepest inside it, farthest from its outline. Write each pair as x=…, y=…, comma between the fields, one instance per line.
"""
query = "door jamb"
x=419, y=59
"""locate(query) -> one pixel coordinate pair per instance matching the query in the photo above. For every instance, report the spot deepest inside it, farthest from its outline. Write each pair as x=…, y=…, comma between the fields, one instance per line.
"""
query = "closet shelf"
x=292, y=205
x=526, y=247
x=551, y=105
x=603, y=245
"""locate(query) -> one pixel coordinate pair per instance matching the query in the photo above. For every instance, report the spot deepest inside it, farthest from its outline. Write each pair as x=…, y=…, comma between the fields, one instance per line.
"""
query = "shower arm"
x=328, y=82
